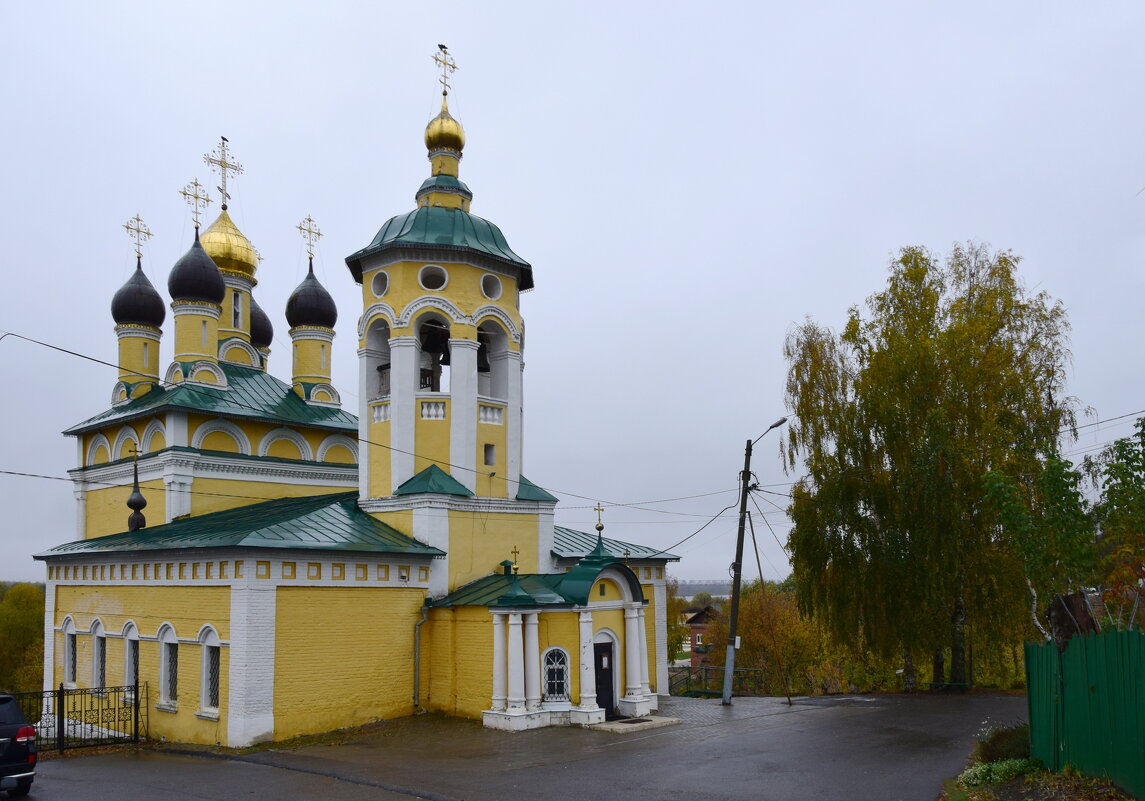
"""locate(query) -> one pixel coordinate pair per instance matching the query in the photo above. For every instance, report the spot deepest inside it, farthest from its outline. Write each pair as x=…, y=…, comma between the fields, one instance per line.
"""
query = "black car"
x=17, y=749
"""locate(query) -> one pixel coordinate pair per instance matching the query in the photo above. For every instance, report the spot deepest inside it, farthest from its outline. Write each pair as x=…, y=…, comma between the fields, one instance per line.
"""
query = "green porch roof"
x=569, y=543
x=317, y=522
x=528, y=491
x=443, y=229
x=433, y=479
x=250, y=394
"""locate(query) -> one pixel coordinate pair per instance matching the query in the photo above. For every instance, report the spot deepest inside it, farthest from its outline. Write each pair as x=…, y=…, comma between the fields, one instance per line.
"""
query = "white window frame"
x=548, y=702
x=70, y=656
x=168, y=672
x=209, y=644
x=98, y=656
x=130, y=654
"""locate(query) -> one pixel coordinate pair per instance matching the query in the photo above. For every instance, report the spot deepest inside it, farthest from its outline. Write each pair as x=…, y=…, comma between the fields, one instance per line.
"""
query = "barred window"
x=168, y=666
x=556, y=672
x=99, y=662
x=209, y=671
x=213, y=676
x=70, y=657
x=130, y=654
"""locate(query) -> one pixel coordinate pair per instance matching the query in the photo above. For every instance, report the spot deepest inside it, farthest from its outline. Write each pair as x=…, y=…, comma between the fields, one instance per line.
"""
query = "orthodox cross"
x=310, y=232
x=257, y=256
x=515, y=553
x=220, y=159
x=627, y=554
x=599, y=510
x=138, y=230
x=447, y=64
x=196, y=197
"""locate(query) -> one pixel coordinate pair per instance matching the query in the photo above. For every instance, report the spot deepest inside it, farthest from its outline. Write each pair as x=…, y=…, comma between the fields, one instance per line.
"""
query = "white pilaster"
x=587, y=663
x=250, y=700
x=49, y=634
x=631, y=653
x=404, y=379
x=532, y=663
x=79, y=490
x=643, y=652
x=365, y=452
x=176, y=430
x=463, y=408
x=660, y=593
x=514, y=419
x=516, y=660
x=178, y=494
x=498, y=662
x=431, y=526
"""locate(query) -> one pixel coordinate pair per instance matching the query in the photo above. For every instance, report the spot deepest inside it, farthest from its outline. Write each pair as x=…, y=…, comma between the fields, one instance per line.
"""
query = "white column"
x=516, y=658
x=50, y=632
x=644, y=688
x=660, y=593
x=250, y=699
x=80, y=493
x=587, y=663
x=631, y=653
x=532, y=663
x=463, y=410
x=404, y=379
x=514, y=422
x=365, y=452
x=176, y=431
x=498, y=662
x=177, y=494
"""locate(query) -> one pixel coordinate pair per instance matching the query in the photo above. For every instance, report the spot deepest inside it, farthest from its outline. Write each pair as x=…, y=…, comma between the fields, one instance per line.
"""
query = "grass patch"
x=997, y=772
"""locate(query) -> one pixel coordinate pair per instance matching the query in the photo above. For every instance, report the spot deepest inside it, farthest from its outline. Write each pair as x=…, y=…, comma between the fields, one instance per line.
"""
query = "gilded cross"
x=599, y=511
x=627, y=554
x=138, y=230
x=220, y=159
x=515, y=553
x=447, y=64
x=196, y=197
x=310, y=232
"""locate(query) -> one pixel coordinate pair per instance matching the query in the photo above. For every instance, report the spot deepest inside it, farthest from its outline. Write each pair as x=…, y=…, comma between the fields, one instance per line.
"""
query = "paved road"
x=872, y=748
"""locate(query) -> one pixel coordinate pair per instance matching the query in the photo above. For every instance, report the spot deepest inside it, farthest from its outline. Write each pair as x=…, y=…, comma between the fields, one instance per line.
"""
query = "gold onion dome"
x=228, y=247
x=444, y=132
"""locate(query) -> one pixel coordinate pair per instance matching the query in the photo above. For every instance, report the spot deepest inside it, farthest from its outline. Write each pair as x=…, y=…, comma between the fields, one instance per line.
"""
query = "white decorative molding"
x=489, y=310
x=227, y=345
x=372, y=312
x=126, y=434
x=93, y=446
x=429, y=302
x=155, y=426
x=493, y=415
x=329, y=388
x=225, y=427
x=205, y=308
x=335, y=440
x=432, y=410
x=281, y=433
x=175, y=374
x=119, y=394
x=315, y=332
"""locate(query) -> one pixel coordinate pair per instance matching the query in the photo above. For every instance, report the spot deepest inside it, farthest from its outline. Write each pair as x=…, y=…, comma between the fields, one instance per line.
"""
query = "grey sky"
x=688, y=181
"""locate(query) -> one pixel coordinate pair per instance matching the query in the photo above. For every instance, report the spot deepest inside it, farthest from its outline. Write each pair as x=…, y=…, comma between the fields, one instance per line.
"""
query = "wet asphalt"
x=860, y=748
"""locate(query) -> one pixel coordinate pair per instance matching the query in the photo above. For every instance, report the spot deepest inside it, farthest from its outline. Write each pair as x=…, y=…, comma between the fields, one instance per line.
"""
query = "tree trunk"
x=909, y=676
x=939, y=679
x=958, y=677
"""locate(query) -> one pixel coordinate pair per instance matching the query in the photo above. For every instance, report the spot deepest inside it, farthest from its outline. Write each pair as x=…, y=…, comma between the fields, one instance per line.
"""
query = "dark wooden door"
x=605, y=670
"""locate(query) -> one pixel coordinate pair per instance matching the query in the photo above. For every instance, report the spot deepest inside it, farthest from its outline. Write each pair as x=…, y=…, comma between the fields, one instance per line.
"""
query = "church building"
x=271, y=565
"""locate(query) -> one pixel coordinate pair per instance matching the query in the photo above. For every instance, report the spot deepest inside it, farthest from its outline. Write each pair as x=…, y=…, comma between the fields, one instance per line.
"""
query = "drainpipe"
x=417, y=656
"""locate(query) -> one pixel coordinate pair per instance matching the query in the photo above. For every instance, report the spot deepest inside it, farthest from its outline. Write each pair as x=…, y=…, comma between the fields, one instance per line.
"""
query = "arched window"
x=168, y=667
x=130, y=654
x=98, y=656
x=69, y=651
x=209, y=671
x=378, y=359
x=492, y=369
x=433, y=362
x=555, y=666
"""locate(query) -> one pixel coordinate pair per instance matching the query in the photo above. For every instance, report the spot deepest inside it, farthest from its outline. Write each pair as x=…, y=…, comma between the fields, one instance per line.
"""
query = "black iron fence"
x=84, y=718
x=708, y=681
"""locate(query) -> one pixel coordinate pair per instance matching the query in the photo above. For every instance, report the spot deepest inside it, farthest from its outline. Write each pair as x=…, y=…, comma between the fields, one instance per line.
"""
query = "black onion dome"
x=196, y=277
x=311, y=304
x=261, y=331
x=137, y=302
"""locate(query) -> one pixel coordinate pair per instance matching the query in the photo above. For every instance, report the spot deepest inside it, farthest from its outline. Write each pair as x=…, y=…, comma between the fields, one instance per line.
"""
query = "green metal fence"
x=1087, y=706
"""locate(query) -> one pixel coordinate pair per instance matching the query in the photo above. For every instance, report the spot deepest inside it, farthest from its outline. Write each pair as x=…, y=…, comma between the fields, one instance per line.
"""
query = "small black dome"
x=196, y=277
x=261, y=331
x=137, y=302
x=311, y=304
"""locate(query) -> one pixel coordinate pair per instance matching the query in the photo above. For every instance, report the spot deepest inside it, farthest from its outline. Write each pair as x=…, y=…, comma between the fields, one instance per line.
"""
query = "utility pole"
x=737, y=565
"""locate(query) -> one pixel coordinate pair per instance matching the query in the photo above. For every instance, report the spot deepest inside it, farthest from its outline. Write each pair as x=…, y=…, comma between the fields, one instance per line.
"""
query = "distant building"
x=288, y=567
x=698, y=620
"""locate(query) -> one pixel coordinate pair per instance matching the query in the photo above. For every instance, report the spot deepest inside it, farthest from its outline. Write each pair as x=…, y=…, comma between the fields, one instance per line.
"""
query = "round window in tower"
x=381, y=283
x=491, y=286
x=433, y=277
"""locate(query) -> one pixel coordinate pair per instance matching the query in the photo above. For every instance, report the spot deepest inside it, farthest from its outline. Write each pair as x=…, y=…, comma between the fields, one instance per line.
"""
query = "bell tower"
x=440, y=348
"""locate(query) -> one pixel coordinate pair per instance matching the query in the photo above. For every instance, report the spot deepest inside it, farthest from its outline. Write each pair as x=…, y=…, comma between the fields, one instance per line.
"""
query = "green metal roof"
x=250, y=394
x=433, y=479
x=446, y=229
x=444, y=183
x=316, y=522
x=528, y=491
x=572, y=544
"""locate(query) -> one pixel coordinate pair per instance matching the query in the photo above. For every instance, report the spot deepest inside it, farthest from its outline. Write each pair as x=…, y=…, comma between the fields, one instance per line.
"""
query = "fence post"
x=135, y=710
x=60, y=719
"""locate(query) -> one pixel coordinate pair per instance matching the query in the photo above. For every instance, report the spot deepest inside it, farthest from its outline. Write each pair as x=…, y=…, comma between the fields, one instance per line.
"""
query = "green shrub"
x=997, y=772
x=997, y=742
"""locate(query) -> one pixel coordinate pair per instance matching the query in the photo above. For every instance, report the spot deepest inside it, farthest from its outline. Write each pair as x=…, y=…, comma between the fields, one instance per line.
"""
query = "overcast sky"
x=689, y=181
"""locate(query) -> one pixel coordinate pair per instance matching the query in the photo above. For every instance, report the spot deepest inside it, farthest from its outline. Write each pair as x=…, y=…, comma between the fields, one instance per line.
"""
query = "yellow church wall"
x=611, y=592
x=380, y=486
x=256, y=431
x=311, y=360
x=140, y=355
x=432, y=437
x=339, y=455
x=457, y=661
x=562, y=630
x=220, y=441
x=478, y=542
x=463, y=289
x=106, y=512
x=401, y=519
x=284, y=449
x=214, y=494
x=343, y=657
x=196, y=337
x=187, y=609
x=493, y=486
